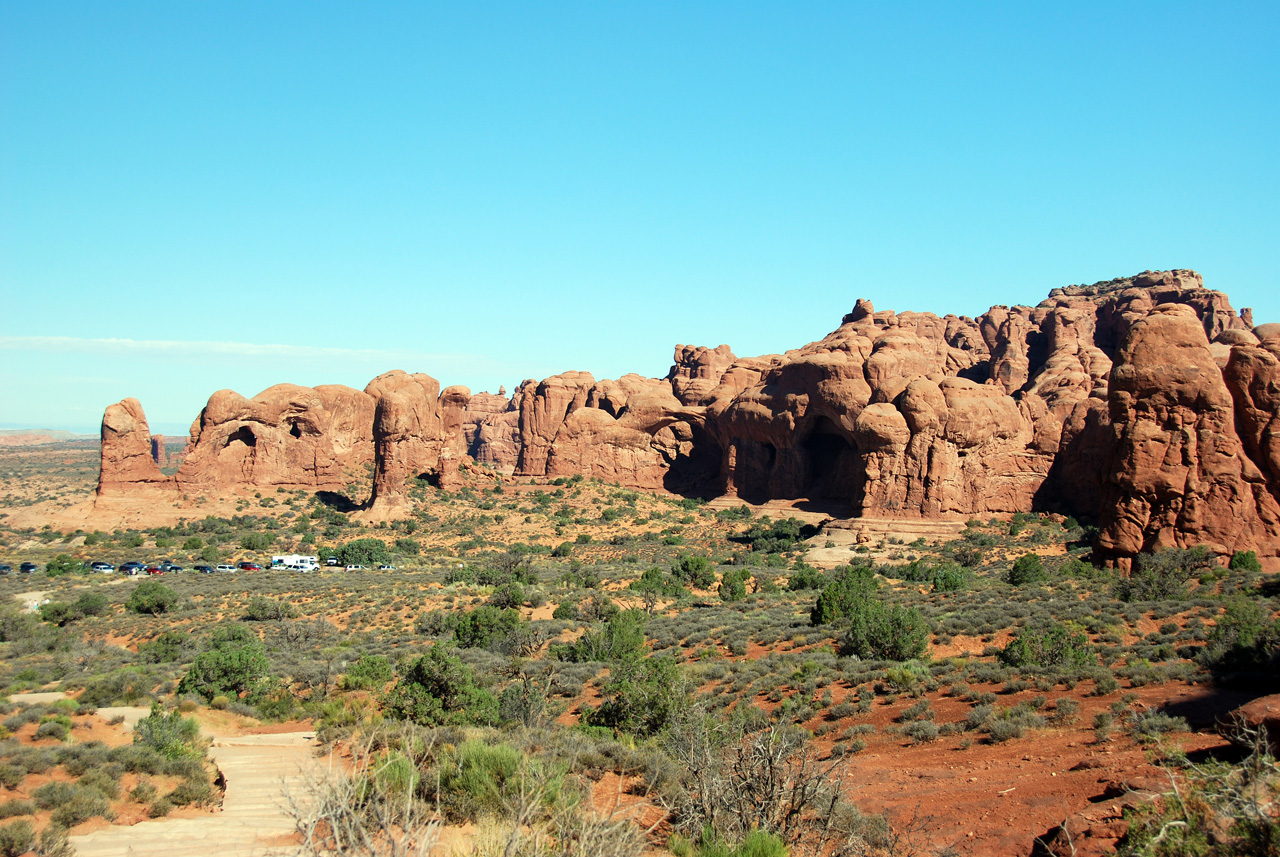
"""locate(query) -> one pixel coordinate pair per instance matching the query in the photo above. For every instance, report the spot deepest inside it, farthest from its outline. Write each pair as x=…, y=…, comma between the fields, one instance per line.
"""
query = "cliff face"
x=1144, y=403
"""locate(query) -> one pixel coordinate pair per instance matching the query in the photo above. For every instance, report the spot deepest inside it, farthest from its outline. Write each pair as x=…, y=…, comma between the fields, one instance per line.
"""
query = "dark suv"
x=5, y=568
x=28, y=568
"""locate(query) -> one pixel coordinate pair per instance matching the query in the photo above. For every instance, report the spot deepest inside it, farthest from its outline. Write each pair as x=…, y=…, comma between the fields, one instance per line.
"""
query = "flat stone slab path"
x=259, y=769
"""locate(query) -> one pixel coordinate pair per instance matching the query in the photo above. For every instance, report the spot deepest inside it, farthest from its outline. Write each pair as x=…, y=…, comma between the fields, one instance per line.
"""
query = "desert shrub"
x=1055, y=646
x=806, y=577
x=263, y=609
x=438, y=689
x=921, y=731
x=1245, y=561
x=151, y=596
x=656, y=582
x=14, y=807
x=733, y=585
x=483, y=626
x=885, y=632
x=851, y=587
x=54, y=729
x=234, y=663
x=169, y=647
x=1245, y=638
x=257, y=542
x=1163, y=575
x=191, y=791
x=507, y=595
x=695, y=571
x=170, y=734
x=63, y=564
x=562, y=550
x=478, y=779
x=365, y=552
x=565, y=611
x=1028, y=568
x=17, y=838
x=767, y=536
x=408, y=547
x=71, y=803
x=640, y=697
x=370, y=672
x=622, y=637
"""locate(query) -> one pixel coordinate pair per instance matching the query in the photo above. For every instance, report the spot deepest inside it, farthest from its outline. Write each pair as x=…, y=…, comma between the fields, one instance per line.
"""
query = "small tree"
x=733, y=585
x=364, y=552
x=151, y=596
x=886, y=632
x=171, y=735
x=62, y=564
x=485, y=625
x=234, y=663
x=696, y=571
x=439, y=690
x=1027, y=569
x=852, y=587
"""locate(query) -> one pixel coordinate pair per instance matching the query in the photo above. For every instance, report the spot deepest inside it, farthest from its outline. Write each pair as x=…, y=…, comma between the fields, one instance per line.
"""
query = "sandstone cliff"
x=1145, y=404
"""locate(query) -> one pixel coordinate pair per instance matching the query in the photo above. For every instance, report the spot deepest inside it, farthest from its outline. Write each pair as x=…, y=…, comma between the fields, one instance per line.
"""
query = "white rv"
x=296, y=562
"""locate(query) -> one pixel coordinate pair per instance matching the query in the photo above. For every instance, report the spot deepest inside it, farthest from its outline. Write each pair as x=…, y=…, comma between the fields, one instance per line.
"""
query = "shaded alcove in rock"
x=831, y=462
x=697, y=472
x=243, y=435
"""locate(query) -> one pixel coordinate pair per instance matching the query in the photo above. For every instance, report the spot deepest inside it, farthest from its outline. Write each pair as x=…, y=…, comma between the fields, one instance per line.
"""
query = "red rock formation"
x=1143, y=403
x=126, y=449
x=158, y=453
x=291, y=436
x=1181, y=473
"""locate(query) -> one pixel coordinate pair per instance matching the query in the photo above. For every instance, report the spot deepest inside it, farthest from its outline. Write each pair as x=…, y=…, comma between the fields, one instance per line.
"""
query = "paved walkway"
x=258, y=769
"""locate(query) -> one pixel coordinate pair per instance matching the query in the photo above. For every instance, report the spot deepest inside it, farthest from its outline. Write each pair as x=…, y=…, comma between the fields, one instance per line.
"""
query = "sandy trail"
x=258, y=771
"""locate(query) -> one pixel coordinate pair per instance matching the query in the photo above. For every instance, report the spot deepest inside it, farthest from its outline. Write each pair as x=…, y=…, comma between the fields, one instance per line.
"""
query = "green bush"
x=733, y=585
x=852, y=587
x=1245, y=561
x=695, y=571
x=1163, y=575
x=408, y=547
x=17, y=838
x=63, y=564
x=439, y=690
x=622, y=637
x=169, y=734
x=1054, y=646
x=151, y=596
x=483, y=626
x=370, y=672
x=257, y=542
x=479, y=779
x=806, y=577
x=890, y=633
x=1027, y=569
x=234, y=663
x=367, y=552
x=263, y=609
x=1245, y=638
x=640, y=697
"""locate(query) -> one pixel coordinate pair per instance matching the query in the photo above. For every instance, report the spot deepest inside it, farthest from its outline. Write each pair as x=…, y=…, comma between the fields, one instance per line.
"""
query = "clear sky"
x=205, y=195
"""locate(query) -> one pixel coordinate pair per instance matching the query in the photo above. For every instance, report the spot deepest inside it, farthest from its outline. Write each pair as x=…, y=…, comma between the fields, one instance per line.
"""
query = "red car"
x=154, y=570
x=250, y=566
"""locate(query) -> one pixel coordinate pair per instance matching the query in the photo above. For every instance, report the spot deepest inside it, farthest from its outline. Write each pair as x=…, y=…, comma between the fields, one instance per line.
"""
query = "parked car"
x=103, y=567
x=333, y=560
x=355, y=568
x=202, y=569
x=28, y=568
x=132, y=567
x=5, y=568
x=250, y=566
x=386, y=568
x=225, y=567
x=155, y=569
x=174, y=568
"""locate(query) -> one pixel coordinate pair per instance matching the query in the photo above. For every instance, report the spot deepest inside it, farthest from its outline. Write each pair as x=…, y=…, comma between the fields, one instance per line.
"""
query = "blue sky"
x=198, y=196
